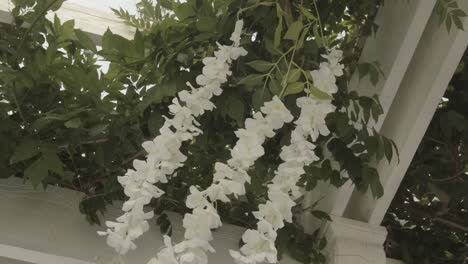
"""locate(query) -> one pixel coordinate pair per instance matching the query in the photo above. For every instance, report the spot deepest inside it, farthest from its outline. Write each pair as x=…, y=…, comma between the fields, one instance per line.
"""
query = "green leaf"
x=295, y=88
x=85, y=40
x=363, y=69
x=294, y=30
x=98, y=129
x=252, y=80
x=322, y=243
x=73, y=123
x=53, y=162
x=165, y=224
x=279, y=28
x=260, y=65
x=388, y=148
x=448, y=23
x=307, y=13
x=458, y=23
x=374, y=74
x=206, y=24
x=235, y=109
x=275, y=86
x=155, y=122
x=371, y=177
x=259, y=97
x=294, y=75
x=36, y=172
x=319, y=94
x=68, y=29
x=184, y=10
x=27, y=149
x=321, y=215
x=358, y=148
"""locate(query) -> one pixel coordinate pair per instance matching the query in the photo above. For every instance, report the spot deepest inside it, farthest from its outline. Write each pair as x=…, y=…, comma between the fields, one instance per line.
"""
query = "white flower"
x=312, y=117
x=216, y=192
x=334, y=58
x=193, y=243
x=118, y=240
x=197, y=225
x=282, y=202
x=236, y=35
x=258, y=247
x=216, y=69
x=277, y=113
x=232, y=187
x=196, y=199
x=271, y=214
x=166, y=255
x=164, y=157
x=194, y=256
x=229, y=53
x=324, y=79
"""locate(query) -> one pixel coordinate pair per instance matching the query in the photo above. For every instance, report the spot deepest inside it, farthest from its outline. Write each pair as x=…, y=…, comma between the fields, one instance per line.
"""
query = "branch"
x=138, y=154
x=449, y=178
x=451, y=224
x=90, y=142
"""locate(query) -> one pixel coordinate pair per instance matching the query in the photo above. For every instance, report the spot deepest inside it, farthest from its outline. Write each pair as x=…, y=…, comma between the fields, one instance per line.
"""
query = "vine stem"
x=260, y=3
x=285, y=80
x=320, y=26
x=275, y=66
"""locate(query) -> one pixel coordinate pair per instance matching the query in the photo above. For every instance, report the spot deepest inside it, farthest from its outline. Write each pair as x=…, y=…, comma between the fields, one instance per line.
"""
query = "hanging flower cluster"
x=229, y=179
x=164, y=155
x=259, y=244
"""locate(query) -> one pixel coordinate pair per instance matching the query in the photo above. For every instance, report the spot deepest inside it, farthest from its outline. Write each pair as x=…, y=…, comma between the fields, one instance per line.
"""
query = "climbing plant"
x=68, y=122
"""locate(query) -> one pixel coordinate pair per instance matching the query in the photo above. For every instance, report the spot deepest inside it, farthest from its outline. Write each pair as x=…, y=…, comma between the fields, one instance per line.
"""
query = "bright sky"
x=104, y=5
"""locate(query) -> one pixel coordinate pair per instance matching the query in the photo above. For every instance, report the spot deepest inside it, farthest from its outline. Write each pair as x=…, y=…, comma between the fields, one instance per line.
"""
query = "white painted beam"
x=401, y=25
x=36, y=257
x=93, y=21
x=432, y=66
x=44, y=227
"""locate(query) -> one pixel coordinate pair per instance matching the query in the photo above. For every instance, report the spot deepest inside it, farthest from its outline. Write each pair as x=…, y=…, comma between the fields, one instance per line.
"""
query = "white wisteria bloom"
x=325, y=77
x=164, y=158
x=334, y=58
x=259, y=244
x=230, y=179
x=312, y=119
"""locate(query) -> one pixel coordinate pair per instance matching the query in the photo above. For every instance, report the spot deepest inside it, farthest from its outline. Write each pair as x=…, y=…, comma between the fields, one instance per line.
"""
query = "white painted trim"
x=41, y=226
x=5, y=14
x=36, y=257
x=426, y=80
x=90, y=20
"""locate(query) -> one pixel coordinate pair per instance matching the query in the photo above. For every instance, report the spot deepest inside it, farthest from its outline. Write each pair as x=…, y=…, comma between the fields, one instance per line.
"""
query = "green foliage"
x=428, y=220
x=67, y=122
x=450, y=13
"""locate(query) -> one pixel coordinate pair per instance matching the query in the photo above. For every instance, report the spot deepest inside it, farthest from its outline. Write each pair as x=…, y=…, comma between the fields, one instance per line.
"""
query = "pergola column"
x=401, y=25
x=429, y=73
x=354, y=242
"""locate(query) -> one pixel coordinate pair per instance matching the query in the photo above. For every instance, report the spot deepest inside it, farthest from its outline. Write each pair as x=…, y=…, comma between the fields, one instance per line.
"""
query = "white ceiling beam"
x=401, y=25
x=431, y=69
x=92, y=21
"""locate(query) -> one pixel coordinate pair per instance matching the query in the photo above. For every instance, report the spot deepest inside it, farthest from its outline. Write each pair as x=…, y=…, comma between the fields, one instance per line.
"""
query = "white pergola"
x=418, y=58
